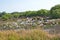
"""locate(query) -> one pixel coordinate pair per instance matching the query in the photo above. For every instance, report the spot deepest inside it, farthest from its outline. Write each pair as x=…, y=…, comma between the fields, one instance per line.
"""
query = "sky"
x=26, y=5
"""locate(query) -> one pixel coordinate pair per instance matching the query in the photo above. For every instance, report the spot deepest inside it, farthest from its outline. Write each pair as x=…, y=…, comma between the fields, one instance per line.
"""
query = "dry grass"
x=33, y=34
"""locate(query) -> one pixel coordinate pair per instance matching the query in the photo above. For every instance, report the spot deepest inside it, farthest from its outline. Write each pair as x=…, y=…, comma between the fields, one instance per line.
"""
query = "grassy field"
x=33, y=34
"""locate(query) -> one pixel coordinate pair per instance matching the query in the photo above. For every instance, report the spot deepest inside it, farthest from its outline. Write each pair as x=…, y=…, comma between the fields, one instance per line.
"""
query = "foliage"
x=55, y=11
x=6, y=16
x=43, y=12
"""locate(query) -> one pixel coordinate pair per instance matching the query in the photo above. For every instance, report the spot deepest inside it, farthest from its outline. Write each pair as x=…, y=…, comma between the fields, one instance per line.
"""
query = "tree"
x=6, y=16
x=29, y=13
x=2, y=13
x=55, y=11
x=43, y=12
x=15, y=14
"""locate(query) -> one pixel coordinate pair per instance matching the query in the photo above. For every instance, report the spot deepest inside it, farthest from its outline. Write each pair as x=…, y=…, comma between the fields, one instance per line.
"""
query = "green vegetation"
x=29, y=25
x=53, y=13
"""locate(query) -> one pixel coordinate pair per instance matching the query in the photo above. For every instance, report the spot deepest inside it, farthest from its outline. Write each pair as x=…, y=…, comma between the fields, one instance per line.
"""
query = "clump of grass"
x=33, y=34
x=56, y=38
